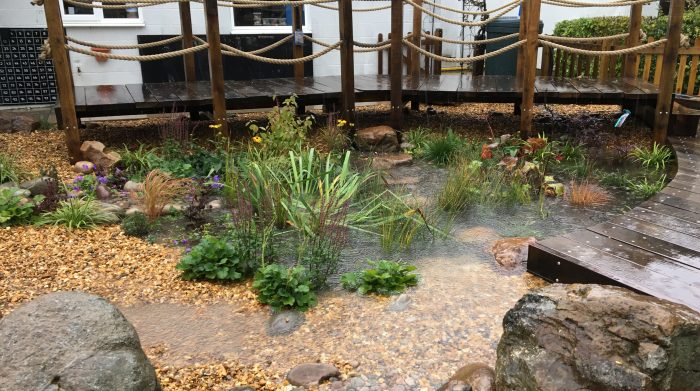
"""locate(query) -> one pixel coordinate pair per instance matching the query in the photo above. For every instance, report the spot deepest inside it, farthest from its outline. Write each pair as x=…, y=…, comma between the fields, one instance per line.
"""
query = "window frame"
x=240, y=30
x=97, y=19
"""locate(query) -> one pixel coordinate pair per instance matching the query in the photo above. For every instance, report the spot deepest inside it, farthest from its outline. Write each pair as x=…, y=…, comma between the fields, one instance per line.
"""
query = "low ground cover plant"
x=383, y=278
x=77, y=213
x=15, y=208
x=654, y=158
x=9, y=170
x=214, y=258
x=281, y=287
x=136, y=224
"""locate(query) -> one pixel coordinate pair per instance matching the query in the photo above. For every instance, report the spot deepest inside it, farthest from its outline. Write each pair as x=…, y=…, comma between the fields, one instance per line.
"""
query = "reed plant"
x=586, y=194
x=159, y=189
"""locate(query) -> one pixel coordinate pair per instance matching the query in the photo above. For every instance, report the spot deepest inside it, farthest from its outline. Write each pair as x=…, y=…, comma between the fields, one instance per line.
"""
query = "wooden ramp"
x=653, y=248
x=106, y=100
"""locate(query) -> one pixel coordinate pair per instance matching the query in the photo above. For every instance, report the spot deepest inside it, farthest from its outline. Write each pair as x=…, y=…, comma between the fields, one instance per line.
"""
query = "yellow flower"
x=215, y=126
x=257, y=139
x=352, y=125
x=342, y=122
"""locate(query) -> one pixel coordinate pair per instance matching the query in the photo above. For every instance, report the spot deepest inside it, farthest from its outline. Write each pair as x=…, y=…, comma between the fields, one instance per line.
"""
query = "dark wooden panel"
x=659, y=232
x=80, y=103
x=586, y=88
x=676, y=201
x=117, y=97
x=166, y=93
x=666, y=221
x=686, y=195
x=143, y=97
x=689, y=216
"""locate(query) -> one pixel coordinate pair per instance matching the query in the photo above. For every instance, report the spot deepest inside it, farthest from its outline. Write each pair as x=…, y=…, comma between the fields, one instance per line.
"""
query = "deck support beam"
x=347, y=64
x=64, y=78
x=187, y=39
x=298, y=46
x=522, y=34
x=216, y=66
x=414, y=55
x=529, y=67
x=630, y=67
x=668, y=71
x=395, y=64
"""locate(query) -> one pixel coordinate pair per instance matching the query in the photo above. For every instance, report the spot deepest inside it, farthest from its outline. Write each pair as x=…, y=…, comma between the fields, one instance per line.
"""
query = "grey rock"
x=401, y=303
x=242, y=388
x=215, y=204
x=83, y=167
x=73, y=341
x=133, y=186
x=102, y=192
x=284, y=322
x=8, y=185
x=95, y=152
x=310, y=374
x=377, y=139
x=576, y=337
x=512, y=252
x=387, y=161
x=13, y=122
x=42, y=185
x=476, y=377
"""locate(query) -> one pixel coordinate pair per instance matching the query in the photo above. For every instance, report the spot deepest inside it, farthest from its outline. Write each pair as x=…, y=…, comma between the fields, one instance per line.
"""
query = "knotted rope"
x=573, y=3
x=146, y=57
x=634, y=49
x=463, y=12
x=135, y=46
x=464, y=59
x=472, y=42
x=463, y=23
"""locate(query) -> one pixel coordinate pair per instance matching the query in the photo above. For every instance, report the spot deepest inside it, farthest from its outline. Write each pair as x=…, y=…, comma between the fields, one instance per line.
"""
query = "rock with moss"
x=594, y=337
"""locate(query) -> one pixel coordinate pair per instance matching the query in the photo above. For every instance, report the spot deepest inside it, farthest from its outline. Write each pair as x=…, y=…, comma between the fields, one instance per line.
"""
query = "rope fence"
x=472, y=42
x=146, y=57
x=634, y=49
x=504, y=49
x=464, y=12
x=575, y=4
x=554, y=38
x=136, y=46
x=464, y=23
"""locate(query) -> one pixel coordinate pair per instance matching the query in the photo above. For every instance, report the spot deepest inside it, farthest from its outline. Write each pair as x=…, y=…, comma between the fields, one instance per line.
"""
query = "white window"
x=270, y=20
x=75, y=15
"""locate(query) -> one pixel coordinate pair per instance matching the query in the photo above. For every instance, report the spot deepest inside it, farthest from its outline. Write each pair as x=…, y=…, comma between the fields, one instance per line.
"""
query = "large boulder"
x=94, y=151
x=593, y=337
x=377, y=139
x=72, y=341
x=512, y=252
x=13, y=122
x=40, y=186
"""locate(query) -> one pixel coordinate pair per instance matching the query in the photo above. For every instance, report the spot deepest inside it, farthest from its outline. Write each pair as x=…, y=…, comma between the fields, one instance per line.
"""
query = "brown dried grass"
x=159, y=189
x=587, y=194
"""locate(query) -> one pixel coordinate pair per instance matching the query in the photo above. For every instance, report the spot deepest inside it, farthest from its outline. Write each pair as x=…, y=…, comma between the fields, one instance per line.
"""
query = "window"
x=75, y=15
x=266, y=19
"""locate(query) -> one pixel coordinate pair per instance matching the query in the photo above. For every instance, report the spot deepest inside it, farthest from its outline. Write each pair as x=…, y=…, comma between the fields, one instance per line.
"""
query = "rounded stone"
x=83, y=167
x=284, y=322
x=311, y=373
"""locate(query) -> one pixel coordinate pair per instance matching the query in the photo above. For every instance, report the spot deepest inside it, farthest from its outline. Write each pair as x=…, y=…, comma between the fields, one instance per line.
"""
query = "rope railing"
x=263, y=49
x=361, y=46
x=471, y=42
x=494, y=53
x=463, y=12
x=145, y=57
x=574, y=3
x=368, y=9
x=233, y=52
x=555, y=38
x=136, y=46
x=633, y=49
x=461, y=22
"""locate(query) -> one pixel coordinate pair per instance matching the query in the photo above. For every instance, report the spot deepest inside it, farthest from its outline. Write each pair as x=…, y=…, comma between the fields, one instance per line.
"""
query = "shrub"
x=442, y=150
x=136, y=224
x=280, y=287
x=9, y=170
x=654, y=158
x=213, y=259
x=645, y=188
x=159, y=189
x=586, y=194
x=13, y=208
x=385, y=278
x=334, y=136
x=461, y=186
x=80, y=213
x=284, y=131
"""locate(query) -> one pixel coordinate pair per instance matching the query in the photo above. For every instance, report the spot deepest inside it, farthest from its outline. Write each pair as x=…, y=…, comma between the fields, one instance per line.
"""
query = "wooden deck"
x=105, y=100
x=653, y=248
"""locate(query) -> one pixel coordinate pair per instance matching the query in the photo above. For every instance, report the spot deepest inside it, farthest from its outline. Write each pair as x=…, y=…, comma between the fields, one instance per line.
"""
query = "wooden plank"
x=686, y=195
x=414, y=69
x=143, y=97
x=216, y=67
x=693, y=70
x=380, y=56
x=437, y=64
x=689, y=216
x=586, y=88
x=633, y=39
x=649, y=243
x=116, y=97
x=565, y=90
x=395, y=64
x=677, y=202
x=530, y=64
x=680, y=75
x=665, y=221
x=659, y=232
x=647, y=63
x=297, y=47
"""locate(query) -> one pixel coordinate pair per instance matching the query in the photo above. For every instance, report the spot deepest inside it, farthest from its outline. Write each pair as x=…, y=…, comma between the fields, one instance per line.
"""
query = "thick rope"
x=473, y=42
x=463, y=23
x=279, y=61
x=572, y=3
x=45, y=51
x=463, y=12
x=138, y=4
x=554, y=38
x=361, y=46
x=369, y=9
x=147, y=57
x=136, y=46
x=464, y=59
x=634, y=49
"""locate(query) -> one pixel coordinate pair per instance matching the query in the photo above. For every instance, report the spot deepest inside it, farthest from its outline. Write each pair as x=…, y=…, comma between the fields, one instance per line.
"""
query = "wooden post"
x=630, y=69
x=216, y=66
x=522, y=34
x=298, y=47
x=380, y=56
x=665, y=97
x=347, y=64
x=605, y=61
x=529, y=66
x=64, y=78
x=187, y=39
x=395, y=64
x=416, y=39
x=437, y=64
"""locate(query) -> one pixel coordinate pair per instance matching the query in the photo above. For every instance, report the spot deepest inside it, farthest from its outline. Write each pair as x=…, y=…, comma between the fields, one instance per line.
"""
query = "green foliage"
x=136, y=224
x=80, y=213
x=419, y=138
x=280, y=287
x=462, y=186
x=384, y=278
x=9, y=170
x=14, y=209
x=137, y=162
x=188, y=161
x=400, y=226
x=646, y=188
x=444, y=149
x=654, y=158
x=45, y=124
x=285, y=131
x=213, y=259
x=616, y=179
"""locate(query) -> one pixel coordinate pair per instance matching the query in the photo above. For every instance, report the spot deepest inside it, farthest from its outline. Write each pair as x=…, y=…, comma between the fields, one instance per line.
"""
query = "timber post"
x=529, y=66
x=630, y=66
x=298, y=40
x=187, y=39
x=668, y=71
x=437, y=64
x=216, y=66
x=395, y=64
x=416, y=39
x=347, y=66
x=380, y=56
x=64, y=78
x=522, y=34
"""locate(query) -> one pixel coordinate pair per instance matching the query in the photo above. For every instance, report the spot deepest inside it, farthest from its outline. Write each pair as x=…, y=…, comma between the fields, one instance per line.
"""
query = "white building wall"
x=164, y=20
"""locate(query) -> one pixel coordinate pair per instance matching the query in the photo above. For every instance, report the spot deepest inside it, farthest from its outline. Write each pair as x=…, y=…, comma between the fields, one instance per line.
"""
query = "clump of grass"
x=335, y=138
x=644, y=189
x=443, y=150
x=615, y=179
x=460, y=188
x=654, y=158
x=159, y=189
x=418, y=138
x=587, y=194
x=80, y=213
x=9, y=170
x=402, y=223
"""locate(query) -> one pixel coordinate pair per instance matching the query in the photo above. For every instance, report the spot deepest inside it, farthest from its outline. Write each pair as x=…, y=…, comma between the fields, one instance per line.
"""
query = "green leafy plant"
x=335, y=137
x=281, y=287
x=461, y=188
x=80, y=213
x=136, y=224
x=442, y=150
x=285, y=131
x=384, y=278
x=419, y=138
x=645, y=188
x=14, y=208
x=213, y=259
x=9, y=170
x=654, y=158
